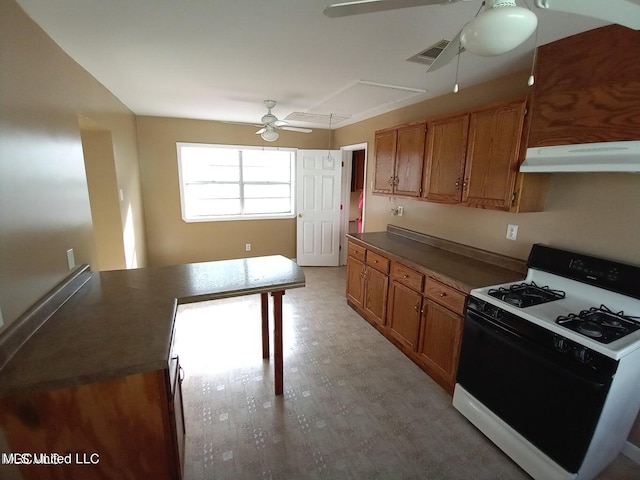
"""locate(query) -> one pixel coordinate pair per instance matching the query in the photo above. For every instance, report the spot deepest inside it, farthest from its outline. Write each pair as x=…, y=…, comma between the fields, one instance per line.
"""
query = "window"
x=220, y=182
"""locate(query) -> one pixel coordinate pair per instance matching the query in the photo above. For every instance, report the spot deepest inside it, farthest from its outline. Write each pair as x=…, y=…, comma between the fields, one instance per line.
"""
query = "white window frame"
x=224, y=218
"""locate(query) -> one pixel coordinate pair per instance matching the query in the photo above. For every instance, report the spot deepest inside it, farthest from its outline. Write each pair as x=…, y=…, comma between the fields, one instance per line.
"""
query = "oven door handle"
x=536, y=352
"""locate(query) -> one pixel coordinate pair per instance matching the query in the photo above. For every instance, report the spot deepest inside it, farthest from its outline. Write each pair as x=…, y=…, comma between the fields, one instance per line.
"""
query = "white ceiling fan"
x=502, y=25
x=270, y=124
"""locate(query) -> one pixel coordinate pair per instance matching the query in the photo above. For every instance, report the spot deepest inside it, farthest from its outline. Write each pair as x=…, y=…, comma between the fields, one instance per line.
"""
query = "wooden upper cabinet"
x=587, y=88
x=445, y=154
x=385, y=154
x=399, y=155
x=409, y=160
x=493, y=156
x=470, y=158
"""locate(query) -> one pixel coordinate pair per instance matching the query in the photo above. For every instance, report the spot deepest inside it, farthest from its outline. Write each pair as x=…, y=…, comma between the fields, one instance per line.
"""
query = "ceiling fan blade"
x=279, y=123
x=262, y=130
x=622, y=12
x=448, y=54
x=244, y=123
x=358, y=7
x=297, y=129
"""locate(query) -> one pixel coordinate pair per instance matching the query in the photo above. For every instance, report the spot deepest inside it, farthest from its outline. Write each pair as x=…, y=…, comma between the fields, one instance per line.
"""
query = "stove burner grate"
x=524, y=294
x=600, y=323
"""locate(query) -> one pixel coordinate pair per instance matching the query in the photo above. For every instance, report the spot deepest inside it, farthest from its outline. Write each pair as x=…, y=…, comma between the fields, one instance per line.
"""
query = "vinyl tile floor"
x=354, y=407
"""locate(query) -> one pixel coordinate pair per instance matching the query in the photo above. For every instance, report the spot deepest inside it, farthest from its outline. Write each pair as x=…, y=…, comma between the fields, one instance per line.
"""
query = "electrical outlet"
x=71, y=260
x=247, y=247
x=512, y=232
x=400, y=210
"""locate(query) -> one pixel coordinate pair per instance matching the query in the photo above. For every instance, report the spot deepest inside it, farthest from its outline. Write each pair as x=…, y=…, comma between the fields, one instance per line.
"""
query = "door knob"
x=299, y=215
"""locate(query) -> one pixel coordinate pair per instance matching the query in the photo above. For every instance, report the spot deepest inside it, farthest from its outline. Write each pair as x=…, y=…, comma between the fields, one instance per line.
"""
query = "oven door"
x=549, y=398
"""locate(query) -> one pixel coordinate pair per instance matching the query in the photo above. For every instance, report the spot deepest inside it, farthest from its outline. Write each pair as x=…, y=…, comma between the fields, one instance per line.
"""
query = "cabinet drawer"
x=407, y=276
x=445, y=295
x=378, y=262
x=356, y=251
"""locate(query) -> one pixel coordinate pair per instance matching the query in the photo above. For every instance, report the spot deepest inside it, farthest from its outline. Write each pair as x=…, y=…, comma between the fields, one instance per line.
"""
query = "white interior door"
x=318, y=206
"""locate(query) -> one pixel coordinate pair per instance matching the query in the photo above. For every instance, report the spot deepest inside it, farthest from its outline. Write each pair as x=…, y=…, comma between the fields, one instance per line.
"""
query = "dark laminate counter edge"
x=121, y=322
x=19, y=332
x=459, y=271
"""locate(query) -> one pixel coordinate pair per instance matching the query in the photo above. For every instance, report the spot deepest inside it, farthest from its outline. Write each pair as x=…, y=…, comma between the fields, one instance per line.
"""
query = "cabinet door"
x=385, y=156
x=355, y=281
x=492, y=156
x=405, y=308
x=445, y=153
x=375, y=295
x=409, y=160
x=440, y=343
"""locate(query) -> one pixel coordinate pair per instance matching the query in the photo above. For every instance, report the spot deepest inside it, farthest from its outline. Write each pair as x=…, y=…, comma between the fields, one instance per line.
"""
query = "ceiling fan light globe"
x=270, y=135
x=268, y=118
x=498, y=30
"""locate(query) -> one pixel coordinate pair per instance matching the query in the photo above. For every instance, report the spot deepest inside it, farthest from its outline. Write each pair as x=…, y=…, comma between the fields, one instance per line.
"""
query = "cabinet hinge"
x=343, y=163
x=513, y=198
x=526, y=110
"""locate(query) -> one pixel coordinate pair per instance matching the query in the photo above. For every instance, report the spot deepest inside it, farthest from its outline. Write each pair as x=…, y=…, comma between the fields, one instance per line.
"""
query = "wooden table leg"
x=277, y=340
x=264, y=305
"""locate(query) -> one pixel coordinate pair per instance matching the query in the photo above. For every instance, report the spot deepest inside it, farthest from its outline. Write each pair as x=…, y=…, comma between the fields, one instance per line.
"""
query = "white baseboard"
x=632, y=451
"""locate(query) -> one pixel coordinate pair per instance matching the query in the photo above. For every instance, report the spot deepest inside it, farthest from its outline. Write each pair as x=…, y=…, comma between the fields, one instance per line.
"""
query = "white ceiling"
x=218, y=59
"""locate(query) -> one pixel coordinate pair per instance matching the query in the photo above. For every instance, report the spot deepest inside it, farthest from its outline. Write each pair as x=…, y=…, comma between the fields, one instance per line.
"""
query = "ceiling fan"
x=499, y=28
x=502, y=25
x=270, y=124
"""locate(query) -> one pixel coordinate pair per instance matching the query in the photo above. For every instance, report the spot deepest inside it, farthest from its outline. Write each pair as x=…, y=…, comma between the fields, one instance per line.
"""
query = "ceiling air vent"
x=428, y=55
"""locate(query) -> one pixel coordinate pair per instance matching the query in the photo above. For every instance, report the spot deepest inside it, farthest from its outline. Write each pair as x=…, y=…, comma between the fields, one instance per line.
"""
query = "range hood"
x=588, y=157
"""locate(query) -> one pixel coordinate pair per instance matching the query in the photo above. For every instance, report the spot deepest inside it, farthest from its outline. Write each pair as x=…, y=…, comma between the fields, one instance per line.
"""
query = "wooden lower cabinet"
x=368, y=283
x=405, y=312
x=355, y=281
x=375, y=296
x=440, y=340
x=418, y=313
x=127, y=428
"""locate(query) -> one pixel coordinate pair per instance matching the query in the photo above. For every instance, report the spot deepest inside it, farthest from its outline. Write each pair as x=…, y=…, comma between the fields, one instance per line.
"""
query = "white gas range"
x=550, y=366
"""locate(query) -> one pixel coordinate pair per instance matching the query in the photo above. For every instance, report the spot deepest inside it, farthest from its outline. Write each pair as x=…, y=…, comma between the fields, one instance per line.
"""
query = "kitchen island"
x=98, y=375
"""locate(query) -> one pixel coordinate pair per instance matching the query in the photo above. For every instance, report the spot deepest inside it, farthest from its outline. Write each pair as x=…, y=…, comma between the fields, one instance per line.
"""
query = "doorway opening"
x=353, y=193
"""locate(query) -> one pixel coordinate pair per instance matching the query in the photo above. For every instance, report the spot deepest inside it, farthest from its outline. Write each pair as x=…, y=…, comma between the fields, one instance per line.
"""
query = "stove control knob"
x=561, y=344
x=582, y=355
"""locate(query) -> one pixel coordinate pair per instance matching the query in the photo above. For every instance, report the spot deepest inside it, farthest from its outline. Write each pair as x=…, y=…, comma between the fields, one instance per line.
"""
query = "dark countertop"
x=121, y=322
x=463, y=272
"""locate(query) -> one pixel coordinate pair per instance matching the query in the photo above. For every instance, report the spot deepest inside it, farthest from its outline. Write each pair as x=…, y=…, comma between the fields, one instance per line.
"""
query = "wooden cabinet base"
x=123, y=428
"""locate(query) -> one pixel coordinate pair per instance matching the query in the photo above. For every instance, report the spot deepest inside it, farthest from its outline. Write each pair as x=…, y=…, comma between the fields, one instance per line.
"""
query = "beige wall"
x=595, y=213
x=44, y=199
x=170, y=240
x=103, y=197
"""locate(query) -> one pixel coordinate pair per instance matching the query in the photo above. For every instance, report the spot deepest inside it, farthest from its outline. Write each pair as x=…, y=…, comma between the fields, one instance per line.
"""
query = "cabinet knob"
x=417, y=307
x=405, y=276
x=443, y=294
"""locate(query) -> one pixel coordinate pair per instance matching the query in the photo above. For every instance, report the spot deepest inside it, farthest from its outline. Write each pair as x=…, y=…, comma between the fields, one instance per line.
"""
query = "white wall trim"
x=631, y=451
